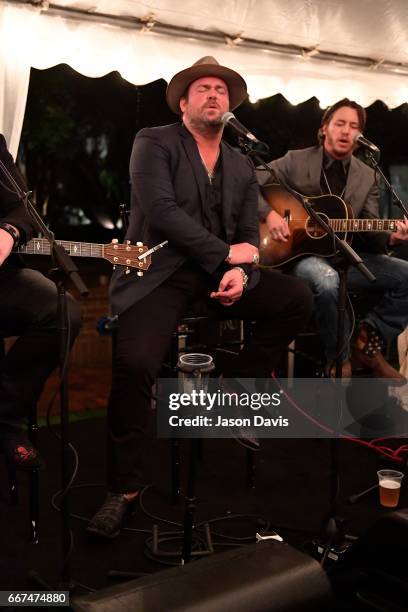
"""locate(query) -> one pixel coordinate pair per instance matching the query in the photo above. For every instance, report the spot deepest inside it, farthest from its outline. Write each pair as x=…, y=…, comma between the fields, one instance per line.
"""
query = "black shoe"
x=247, y=438
x=18, y=450
x=108, y=520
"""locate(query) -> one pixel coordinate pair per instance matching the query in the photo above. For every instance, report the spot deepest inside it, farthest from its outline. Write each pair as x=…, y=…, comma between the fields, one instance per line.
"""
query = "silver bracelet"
x=244, y=276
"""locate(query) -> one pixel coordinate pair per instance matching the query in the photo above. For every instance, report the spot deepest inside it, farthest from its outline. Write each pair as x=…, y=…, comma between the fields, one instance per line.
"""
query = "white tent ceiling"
x=299, y=48
x=368, y=28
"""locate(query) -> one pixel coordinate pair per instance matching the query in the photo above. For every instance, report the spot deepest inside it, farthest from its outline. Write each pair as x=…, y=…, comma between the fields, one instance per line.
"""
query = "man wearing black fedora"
x=193, y=190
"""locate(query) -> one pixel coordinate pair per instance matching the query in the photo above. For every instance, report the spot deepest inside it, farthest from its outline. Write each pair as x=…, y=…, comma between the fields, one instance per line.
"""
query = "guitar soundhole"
x=314, y=230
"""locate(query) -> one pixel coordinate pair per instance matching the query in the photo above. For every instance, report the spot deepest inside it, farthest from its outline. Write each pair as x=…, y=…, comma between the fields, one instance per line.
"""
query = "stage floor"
x=291, y=496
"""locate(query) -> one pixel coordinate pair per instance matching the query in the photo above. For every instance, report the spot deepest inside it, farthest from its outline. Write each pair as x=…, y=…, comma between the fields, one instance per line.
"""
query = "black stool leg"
x=250, y=462
x=12, y=482
x=175, y=470
x=34, y=480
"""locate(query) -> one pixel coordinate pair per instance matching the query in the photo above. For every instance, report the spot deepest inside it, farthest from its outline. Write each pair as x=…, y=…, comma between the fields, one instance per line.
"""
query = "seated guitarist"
x=331, y=168
x=28, y=309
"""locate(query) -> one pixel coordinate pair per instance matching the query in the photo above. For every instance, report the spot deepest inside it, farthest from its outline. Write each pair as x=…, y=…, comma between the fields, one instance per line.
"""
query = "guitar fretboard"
x=41, y=246
x=363, y=225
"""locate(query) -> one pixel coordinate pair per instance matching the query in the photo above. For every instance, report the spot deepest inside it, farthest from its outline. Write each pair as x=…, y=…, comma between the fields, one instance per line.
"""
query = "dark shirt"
x=212, y=207
x=334, y=174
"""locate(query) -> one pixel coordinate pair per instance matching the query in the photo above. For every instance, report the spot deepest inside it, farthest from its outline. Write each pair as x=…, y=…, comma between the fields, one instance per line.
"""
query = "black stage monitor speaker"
x=265, y=577
x=379, y=564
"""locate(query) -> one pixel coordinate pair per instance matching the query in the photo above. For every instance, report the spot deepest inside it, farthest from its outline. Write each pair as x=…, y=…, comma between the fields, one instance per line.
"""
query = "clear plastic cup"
x=190, y=362
x=194, y=370
x=389, y=482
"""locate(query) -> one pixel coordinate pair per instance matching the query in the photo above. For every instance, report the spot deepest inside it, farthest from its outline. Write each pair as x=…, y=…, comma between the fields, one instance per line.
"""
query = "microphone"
x=359, y=139
x=230, y=120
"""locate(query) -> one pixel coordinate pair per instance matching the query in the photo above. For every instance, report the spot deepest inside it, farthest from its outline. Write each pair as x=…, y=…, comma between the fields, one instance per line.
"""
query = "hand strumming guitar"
x=277, y=226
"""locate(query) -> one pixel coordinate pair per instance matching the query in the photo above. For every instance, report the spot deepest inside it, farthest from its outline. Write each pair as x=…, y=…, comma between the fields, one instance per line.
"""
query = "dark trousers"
x=28, y=309
x=280, y=304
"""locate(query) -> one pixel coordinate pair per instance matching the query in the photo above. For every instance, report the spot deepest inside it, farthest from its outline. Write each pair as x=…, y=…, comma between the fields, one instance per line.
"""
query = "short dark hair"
x=329, y=112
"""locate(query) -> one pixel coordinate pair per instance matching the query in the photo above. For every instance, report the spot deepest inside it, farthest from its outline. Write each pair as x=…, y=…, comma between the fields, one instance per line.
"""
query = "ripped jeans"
x=389, y=316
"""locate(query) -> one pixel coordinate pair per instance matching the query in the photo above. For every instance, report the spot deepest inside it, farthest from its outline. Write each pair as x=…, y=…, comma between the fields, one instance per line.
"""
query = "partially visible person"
x=28, y=310
x=194, y=190
x=331, y=168
x=401, y=252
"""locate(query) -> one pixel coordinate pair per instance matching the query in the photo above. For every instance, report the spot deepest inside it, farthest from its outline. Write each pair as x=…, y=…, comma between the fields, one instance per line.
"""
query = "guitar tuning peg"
x=114, y=267
x=115, y=241
x=139, y=273
x=127, y=271
x=139, y=243
x=127, y=241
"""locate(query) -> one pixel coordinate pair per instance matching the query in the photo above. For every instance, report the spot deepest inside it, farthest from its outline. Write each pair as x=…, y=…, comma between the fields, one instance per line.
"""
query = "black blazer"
x=301, y=170
x=168, y=190
x=11, y=208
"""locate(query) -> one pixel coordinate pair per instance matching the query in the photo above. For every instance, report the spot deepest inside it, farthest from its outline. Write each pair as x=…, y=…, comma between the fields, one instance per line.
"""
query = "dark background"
x=78, y=133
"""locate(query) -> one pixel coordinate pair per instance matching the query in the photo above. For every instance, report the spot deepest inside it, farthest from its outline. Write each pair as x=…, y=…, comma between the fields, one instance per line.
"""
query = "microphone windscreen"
x=227, y=117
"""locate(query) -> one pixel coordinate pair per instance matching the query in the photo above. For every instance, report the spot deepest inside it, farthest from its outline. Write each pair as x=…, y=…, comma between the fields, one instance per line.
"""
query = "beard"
x=199, y=121
x=338, y=150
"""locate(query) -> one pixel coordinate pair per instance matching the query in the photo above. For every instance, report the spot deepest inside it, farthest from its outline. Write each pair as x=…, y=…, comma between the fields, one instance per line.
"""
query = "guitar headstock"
x=128, y=256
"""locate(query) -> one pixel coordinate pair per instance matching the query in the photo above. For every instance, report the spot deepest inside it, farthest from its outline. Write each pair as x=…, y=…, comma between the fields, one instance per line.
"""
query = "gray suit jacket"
x=168, y=190
x=301, y=169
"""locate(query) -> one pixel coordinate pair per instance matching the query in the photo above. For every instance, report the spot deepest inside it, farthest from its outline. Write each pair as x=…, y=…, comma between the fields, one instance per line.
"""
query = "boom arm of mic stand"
x=390, y=188
x=250, y=152
x=345, y=249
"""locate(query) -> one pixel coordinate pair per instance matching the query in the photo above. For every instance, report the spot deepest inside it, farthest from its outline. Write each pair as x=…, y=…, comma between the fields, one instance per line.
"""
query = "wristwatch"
x=10, y=229
x=244, y=276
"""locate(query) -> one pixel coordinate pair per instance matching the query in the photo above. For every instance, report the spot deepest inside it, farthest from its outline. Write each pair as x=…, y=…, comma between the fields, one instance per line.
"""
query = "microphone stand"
x=332, y=528
x=64, y=268
x=394, y=196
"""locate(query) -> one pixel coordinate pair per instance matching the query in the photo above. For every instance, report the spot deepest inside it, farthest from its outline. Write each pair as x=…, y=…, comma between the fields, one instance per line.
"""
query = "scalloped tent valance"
x=322, y=48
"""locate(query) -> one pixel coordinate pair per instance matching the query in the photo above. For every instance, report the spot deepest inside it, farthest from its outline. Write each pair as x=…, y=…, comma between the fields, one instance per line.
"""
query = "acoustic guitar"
x=306, y=236
x=126, y=255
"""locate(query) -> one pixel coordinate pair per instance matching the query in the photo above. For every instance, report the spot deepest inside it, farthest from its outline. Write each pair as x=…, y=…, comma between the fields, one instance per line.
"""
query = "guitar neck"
x=364, y=225
x=41, y=246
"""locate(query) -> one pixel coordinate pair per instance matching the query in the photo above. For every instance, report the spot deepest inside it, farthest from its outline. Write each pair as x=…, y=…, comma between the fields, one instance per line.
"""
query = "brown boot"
x=367, y=353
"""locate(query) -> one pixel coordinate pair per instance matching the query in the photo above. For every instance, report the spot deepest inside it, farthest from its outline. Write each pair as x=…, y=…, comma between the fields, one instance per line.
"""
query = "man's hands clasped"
x=231, y=285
